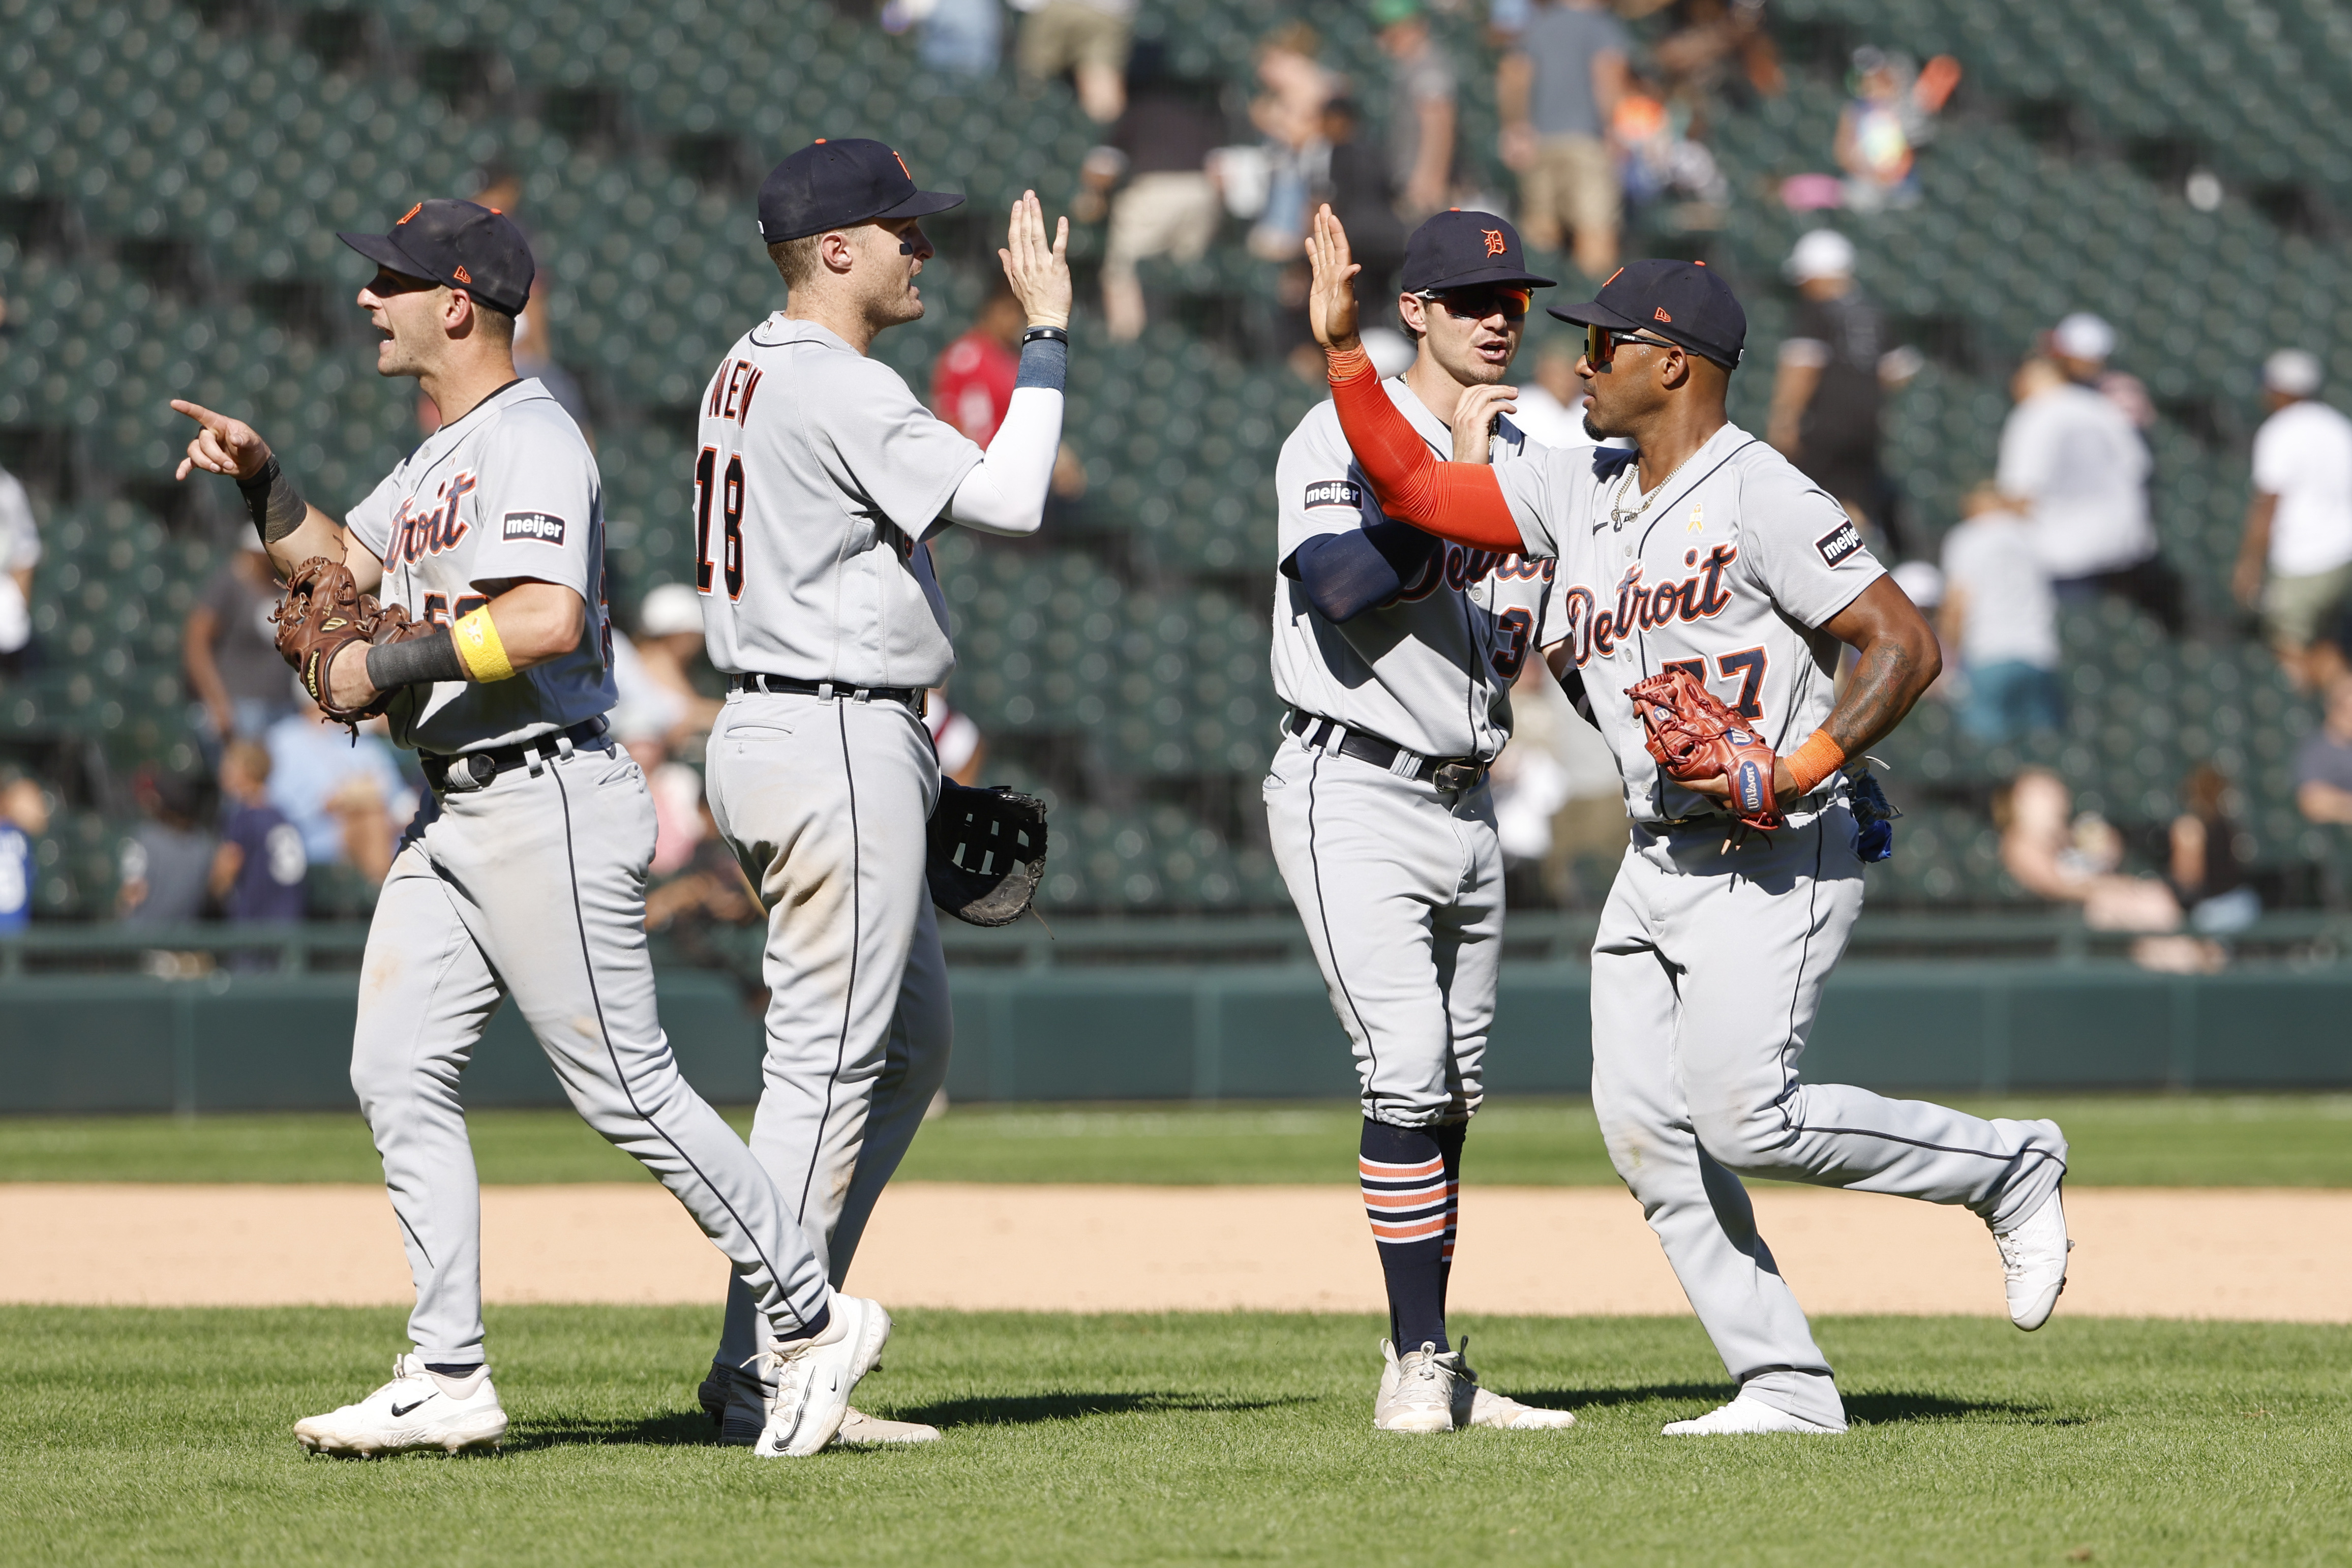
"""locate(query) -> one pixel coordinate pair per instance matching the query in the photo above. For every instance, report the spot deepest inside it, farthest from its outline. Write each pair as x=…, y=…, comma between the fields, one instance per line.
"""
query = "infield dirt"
x=2279, y=1255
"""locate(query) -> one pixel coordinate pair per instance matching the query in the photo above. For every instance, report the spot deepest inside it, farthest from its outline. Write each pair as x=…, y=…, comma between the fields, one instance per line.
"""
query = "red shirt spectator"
x=972, y=386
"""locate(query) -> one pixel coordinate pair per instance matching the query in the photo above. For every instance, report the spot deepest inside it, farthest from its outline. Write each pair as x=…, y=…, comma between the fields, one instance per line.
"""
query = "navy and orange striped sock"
x=1410, y=1183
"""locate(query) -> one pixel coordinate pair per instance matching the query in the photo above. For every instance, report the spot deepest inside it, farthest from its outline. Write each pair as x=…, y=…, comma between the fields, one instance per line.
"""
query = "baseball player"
x=524, y=871
x=1705, y=570
x=1394, y=652
x=819, y=479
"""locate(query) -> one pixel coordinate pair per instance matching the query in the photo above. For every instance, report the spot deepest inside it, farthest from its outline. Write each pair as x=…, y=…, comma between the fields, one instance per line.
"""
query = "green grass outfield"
x=2158, y=1140
x=132, y=1435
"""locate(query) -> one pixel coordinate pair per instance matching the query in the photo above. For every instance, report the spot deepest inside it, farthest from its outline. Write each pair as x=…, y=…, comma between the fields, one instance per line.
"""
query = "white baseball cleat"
x=1417, y=1389
x=1746, y=1417
x=417, y=1409
x=2033, y=1262
x=737, y=1404
x=1495, y=1410
x=809, y=1396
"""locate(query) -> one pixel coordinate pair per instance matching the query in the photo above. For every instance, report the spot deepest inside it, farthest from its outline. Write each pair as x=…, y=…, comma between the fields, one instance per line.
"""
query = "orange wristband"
x=1346, y=364
x=1814, y=760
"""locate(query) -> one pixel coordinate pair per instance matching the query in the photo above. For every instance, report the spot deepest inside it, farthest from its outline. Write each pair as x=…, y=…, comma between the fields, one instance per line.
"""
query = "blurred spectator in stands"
x=228, y=651
x=1889, y=117
x=2323, y=768
x=167, y=861
x=20, y=551
x=669, y=644
x=1827, y=390
x=1159, y=157
x=2209, y=874
x=1422, y=112
x=2071, y=459
x=23, y=817
x=1354, y=177
x=259, y=869
x=1089, y=38
x=344, y=793
x=1550, y=405
x=963, y=749
x=1658, y=160
x=2054, y=854
x=972, y=379
x=1557, y=91
x=2296, y=561
x=709, y=886
x=962, y=37
x=1289, y=115
x=1707, y=36
x=2000, y=617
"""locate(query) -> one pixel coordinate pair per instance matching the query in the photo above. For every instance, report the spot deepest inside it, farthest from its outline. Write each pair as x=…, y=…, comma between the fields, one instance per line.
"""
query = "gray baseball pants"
x=1400, y=886
x=825, y=802
x=1706, y=976
x=535, y=886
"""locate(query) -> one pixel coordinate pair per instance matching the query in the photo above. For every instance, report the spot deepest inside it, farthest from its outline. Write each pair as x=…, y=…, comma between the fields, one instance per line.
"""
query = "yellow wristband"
x=478, y=647
x=1814, y=760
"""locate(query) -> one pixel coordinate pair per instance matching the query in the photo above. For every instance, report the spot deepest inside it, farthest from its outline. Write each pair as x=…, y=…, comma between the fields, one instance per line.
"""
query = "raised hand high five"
x=1331, y=297
x=1039, y=272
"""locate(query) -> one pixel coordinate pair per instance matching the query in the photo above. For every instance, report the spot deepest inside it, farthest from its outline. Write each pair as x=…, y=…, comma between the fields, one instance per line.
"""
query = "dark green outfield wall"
x=84, y=1042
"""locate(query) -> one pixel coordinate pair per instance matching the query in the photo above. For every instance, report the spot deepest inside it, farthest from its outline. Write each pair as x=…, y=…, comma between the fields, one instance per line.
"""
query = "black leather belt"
x=1329, y=735
x=912, y=696
x=469, y=771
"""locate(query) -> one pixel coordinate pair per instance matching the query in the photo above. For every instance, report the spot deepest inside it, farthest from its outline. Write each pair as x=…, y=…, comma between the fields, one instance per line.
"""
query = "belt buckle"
x=1452, y=776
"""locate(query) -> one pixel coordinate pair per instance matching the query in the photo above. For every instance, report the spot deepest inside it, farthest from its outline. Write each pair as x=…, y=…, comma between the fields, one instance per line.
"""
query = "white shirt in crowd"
x=2075, y=455
x=2011, y=614
x=20, y=547
x=2303, y=455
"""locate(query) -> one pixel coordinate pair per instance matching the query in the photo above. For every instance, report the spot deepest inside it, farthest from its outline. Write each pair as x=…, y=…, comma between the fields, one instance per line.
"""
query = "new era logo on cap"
x=1660, y=314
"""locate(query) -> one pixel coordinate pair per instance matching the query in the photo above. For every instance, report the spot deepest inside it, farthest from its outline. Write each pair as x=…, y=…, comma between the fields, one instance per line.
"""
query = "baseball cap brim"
x=1500, y=272
x=922, y=203
x=381, y=249
x=1593, y=313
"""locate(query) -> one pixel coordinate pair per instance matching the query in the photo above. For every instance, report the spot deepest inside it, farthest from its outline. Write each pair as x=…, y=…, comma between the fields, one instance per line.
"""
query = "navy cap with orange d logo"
x=839, y=184
x=1682, y=302
x=460, y=245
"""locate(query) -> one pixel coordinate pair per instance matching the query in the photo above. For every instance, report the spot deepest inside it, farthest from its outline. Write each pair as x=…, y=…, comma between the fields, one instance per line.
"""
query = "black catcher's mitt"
x=987, y=853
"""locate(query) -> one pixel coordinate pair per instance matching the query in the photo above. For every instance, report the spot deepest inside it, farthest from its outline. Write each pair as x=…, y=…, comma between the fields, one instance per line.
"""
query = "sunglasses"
x=1477, y=304
x=1600, y=344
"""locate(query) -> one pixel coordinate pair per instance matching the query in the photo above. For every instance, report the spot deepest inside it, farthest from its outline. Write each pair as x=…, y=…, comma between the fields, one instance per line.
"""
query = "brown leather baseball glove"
x=322, y=614
x=1694, y=735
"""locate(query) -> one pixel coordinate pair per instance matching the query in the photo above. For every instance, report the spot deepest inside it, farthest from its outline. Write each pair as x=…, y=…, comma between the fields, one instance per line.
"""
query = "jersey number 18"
x=705, y=468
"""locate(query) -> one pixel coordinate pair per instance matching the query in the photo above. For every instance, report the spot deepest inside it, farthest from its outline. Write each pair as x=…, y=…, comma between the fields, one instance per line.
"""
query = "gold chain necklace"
x=1618, y=516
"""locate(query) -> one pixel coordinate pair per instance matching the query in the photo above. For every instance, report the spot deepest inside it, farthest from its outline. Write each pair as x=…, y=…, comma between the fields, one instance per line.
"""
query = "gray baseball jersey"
x=1712, y=951
x=819, y=476
x=508, y=492
x=1729, y=570
x=1432, y=672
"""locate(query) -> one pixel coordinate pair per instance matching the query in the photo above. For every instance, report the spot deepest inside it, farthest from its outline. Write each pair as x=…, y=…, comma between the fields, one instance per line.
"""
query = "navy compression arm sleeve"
x=1347, y=574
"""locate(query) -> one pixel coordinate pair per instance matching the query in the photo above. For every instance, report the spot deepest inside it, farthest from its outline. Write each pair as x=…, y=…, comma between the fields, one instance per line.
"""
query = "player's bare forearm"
x=1899, y=660
x=538, y=622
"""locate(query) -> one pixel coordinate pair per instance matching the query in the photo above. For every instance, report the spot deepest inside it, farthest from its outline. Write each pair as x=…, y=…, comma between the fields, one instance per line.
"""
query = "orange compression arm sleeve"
x=1460, y=502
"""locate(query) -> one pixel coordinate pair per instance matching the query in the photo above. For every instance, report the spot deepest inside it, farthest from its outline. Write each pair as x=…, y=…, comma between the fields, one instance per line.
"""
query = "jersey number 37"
x=730, y=506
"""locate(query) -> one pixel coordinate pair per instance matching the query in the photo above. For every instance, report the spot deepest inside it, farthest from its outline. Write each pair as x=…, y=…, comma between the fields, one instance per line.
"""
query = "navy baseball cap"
x=1681, y=302
x=839, y=184
x=1456, y=250
x=459, y=245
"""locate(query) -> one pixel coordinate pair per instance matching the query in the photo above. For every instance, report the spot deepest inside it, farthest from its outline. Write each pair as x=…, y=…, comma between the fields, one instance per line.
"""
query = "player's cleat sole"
x=2033, y=1260
x=1505, y=1415
x=813, y=1379
x=860, y=1430
x=1417, y=1389
x=416, y=1411
x=1746, y=1417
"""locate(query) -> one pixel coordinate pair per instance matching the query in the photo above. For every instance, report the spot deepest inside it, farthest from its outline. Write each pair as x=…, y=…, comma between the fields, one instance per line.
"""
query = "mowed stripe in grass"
x=2157, y=1141
x=163, y=1437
